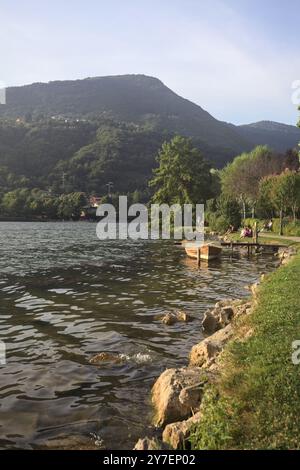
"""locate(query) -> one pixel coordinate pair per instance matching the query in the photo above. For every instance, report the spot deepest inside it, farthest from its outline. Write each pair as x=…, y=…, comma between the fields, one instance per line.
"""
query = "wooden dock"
x=252, y=245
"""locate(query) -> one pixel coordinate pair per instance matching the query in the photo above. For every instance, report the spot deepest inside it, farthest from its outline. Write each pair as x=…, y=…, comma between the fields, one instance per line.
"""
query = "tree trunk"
x=244, y=210
x=253, y=212
x=281, y=222
x=294, y=209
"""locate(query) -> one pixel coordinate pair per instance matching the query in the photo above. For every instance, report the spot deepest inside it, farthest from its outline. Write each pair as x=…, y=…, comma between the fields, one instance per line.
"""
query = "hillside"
x=274, y=134
x=129, y=98
x=110, y=128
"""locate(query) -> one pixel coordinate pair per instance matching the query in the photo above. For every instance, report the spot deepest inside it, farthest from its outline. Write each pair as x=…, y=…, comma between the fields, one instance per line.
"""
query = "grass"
x=256, y=402
x=272, y=239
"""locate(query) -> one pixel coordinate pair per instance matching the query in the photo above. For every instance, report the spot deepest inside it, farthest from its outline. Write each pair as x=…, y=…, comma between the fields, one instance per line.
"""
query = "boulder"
x=210, y=322
x=224, y=303
x=285, y=254
x=217, y=318
x=176, y=434
x=177, y=393
x=205, y=353
x=147, y=444
x=222, y=314
x=242, y=309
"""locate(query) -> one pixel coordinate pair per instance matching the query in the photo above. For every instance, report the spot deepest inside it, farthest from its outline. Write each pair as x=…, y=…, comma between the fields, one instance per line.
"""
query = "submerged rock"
x=76, y=442
x=171, y=318
x=205, y=353
x=106, y=357
x=177, y=393
x=183, y=316
x=177, y=434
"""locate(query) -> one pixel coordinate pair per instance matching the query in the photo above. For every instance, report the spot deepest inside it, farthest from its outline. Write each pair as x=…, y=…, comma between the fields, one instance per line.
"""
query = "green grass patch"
x=256, y=402
x=271, y=239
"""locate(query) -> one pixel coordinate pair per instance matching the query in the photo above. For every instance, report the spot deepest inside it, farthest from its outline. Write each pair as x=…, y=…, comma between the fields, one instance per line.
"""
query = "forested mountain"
x=130, y=98
x=81, y=134
x=276, y=135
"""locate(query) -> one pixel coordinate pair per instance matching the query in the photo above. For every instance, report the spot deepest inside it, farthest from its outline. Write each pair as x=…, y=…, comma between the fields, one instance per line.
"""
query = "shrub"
x=289, y=228
x=222, y=213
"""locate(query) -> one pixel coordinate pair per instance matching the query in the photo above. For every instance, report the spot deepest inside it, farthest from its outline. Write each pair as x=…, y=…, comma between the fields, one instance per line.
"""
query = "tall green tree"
x=283, y=191
x=70, y=205
x=293, y=191
x=183, y=175
x=299, y=126
x=241, y=177
x=265, y=204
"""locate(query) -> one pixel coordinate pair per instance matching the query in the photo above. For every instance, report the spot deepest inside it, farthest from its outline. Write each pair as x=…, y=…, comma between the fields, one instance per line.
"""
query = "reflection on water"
x=64, y=296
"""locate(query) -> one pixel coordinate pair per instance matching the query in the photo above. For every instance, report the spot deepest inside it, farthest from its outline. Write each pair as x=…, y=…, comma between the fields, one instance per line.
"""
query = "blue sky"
x=235, y=58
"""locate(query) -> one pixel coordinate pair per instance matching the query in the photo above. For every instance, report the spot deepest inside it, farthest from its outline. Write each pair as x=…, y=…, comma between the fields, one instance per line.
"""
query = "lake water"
x=65, y=296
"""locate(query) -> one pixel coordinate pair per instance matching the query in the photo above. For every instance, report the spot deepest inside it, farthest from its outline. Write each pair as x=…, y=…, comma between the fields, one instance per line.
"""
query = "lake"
x=65, y=296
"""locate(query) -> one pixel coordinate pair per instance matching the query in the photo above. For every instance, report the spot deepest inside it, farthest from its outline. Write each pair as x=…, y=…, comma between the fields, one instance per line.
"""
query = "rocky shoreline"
x=177, y=394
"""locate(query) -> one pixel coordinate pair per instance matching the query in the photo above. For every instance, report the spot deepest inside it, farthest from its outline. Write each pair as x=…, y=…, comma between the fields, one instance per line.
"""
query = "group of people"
x=247, y=231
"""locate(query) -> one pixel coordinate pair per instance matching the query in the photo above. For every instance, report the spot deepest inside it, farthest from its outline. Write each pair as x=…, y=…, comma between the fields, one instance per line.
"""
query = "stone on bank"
x=177, y=394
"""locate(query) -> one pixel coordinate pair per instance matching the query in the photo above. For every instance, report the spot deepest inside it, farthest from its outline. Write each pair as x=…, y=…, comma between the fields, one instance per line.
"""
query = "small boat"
x=206, y=251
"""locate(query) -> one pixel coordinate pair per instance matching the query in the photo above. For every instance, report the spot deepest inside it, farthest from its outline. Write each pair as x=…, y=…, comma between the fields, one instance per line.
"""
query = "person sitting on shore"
x=268, y=226
x=230, y=230
x=246, y=232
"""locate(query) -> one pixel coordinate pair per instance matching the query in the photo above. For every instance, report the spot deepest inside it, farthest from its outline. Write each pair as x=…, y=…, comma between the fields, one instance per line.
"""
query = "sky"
x=237, y=59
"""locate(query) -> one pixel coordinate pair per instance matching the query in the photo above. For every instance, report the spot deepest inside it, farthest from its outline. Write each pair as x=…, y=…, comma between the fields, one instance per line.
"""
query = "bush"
x=222, y=213
x=230, y=209
x=289, y=228
x=250, y=222
x=292, y=228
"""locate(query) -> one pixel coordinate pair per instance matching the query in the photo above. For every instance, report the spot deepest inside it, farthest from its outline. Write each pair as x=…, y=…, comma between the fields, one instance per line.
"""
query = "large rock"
x=177, y=393
x=286, y=254
x=176, y=434
x=242, y=309
x=222, y=314
x=205, y=353
x=217, y=318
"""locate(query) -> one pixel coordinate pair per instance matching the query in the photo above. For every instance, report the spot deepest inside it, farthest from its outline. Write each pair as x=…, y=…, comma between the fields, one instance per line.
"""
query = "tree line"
x=261, y=183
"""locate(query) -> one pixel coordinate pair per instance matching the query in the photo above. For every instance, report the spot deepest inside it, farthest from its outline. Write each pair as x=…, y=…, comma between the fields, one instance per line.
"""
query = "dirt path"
x=279, y=237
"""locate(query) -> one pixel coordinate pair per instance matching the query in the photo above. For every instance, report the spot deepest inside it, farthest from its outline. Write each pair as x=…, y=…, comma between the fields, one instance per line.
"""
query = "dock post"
x=248, y=250
x=255, y=233
x=198, y=256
